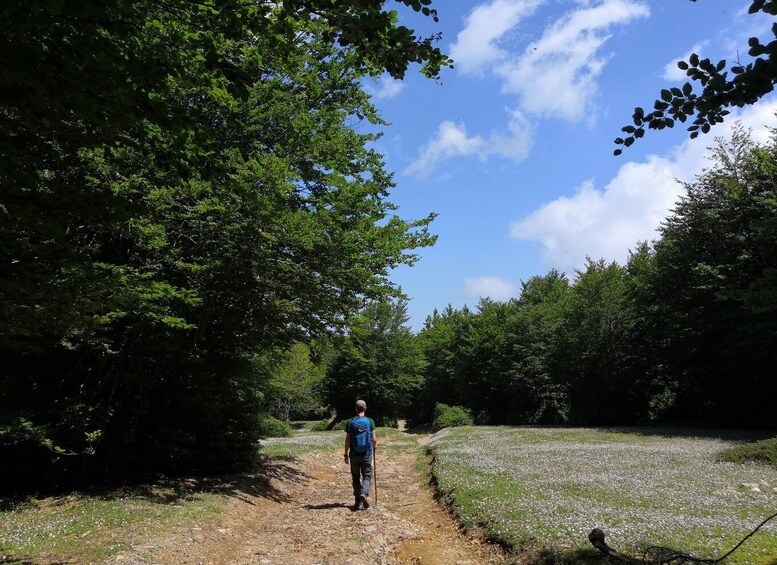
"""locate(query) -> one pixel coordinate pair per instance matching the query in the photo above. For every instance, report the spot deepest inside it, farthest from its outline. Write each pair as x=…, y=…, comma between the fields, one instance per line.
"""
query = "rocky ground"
x=297, y=511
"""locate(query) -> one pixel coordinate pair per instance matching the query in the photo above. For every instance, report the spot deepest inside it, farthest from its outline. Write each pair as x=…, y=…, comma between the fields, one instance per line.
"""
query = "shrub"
x=761, y=451
x=273, y=427
x=385, y=422
x=450, y=416
x=321, y=426
x=338, y=425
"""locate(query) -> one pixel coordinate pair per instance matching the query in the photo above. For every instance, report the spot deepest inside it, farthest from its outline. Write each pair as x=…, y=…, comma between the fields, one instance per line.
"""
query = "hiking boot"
x=357, y=504
x=364, y=502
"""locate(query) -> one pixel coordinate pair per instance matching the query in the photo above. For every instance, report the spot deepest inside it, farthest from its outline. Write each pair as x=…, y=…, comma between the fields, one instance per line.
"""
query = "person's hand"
x=345, y=457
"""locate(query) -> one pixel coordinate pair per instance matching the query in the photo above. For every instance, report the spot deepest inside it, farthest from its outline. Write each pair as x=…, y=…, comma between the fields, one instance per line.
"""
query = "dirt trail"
x=301, y=515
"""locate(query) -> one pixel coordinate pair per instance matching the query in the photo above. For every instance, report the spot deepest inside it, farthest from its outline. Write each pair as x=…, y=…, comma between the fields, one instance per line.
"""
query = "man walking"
x=359, y=442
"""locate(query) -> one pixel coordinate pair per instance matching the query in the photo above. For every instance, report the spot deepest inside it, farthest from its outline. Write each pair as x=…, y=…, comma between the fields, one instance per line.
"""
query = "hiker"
x=359, y=442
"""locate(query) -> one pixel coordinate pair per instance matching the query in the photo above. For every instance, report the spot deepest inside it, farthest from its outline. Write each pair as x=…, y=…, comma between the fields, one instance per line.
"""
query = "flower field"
x=552, y=486
x=302, y=442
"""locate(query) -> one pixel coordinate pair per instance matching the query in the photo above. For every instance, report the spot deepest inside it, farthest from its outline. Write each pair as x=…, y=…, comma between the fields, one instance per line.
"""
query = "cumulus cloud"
x=673, y=72
x=385, y=88
x=556, y=75
x=494, y=288
x=607, y=222
x=475, y=46
x=451, y=140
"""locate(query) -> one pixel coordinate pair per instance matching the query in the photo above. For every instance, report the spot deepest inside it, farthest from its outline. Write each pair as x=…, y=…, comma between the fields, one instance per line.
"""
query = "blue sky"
x=513, y=148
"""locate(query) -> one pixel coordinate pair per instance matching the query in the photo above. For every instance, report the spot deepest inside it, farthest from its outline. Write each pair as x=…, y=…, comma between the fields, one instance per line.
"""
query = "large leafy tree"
x=598, y=326
x=722, y=85
x=442, y=341
x=381, y=361
x=194, y=193
x=714, y=268
x=541, y=357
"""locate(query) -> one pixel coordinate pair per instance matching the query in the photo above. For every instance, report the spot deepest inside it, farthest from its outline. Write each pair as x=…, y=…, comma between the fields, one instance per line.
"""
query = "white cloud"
x=516, y=144
x=608, y=222
x=673, y=72
x=451, y=140
x=475, y=45
x=556, y=75
x=386, y=88
x=495, y=288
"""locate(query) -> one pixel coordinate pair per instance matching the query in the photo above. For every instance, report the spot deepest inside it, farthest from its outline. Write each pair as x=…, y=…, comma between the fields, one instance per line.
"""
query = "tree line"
x=684, y=331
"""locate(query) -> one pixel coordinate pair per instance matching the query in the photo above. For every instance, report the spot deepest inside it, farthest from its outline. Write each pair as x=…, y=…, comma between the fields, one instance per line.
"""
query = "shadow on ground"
x=326, y=506
x=530, y=555
x=255, y=483
x=422, y=430
x=245, y=485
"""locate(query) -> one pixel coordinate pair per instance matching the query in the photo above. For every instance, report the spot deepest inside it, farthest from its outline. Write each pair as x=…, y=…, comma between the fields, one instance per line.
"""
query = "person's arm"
x=347, y=445
x=374, y=433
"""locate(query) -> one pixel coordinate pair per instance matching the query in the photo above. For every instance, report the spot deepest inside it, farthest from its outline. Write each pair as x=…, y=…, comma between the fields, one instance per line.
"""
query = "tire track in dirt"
x=299, y=513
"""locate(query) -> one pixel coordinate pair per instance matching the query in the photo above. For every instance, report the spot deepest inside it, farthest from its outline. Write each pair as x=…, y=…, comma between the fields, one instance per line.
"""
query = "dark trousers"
x=361, y=473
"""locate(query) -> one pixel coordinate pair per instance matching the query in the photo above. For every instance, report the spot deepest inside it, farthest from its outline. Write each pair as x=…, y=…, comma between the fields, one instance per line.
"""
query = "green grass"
x=306, y=442
x=759, y=452
x=302, y=442
x=85, y=528
x=545, y=489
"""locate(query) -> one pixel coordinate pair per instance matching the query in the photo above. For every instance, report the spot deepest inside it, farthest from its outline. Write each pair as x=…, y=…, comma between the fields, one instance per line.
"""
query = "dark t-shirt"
x=349, y=425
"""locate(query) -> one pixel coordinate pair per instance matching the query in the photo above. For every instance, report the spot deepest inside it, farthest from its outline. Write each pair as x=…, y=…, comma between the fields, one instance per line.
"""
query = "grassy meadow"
x=87, y=528
x=530, y=489
x=549, y=488
x=90, y=527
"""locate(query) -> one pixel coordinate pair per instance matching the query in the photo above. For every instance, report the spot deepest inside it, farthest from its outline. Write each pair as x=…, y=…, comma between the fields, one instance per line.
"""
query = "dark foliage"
x=747, y=83
x=183, y=193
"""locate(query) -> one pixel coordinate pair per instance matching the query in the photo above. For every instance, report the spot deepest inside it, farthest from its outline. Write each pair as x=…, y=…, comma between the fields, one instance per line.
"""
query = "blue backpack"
x=360, y=435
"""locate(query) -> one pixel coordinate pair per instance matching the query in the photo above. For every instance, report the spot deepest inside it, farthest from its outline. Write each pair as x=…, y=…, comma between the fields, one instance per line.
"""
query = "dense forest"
x=684, y=332
x=195, y=236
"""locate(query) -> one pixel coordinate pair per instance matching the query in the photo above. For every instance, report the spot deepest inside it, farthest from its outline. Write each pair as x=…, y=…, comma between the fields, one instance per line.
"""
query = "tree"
x=164, y=228
x=748, y=84
x=713, y=265
x=652, y=389
x=380, y=362
x=295, y=386
x=539, y=386
x=598, y=325
x=441, y=341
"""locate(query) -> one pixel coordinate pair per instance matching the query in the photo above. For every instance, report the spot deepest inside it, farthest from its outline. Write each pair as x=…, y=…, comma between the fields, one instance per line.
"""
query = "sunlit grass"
x=302, y=442
x=306, y=442
x=552, y=486
x=85, y=528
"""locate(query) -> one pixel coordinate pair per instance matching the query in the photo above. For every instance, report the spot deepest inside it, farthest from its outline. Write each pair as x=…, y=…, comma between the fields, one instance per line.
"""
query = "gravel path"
x=301, y=515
